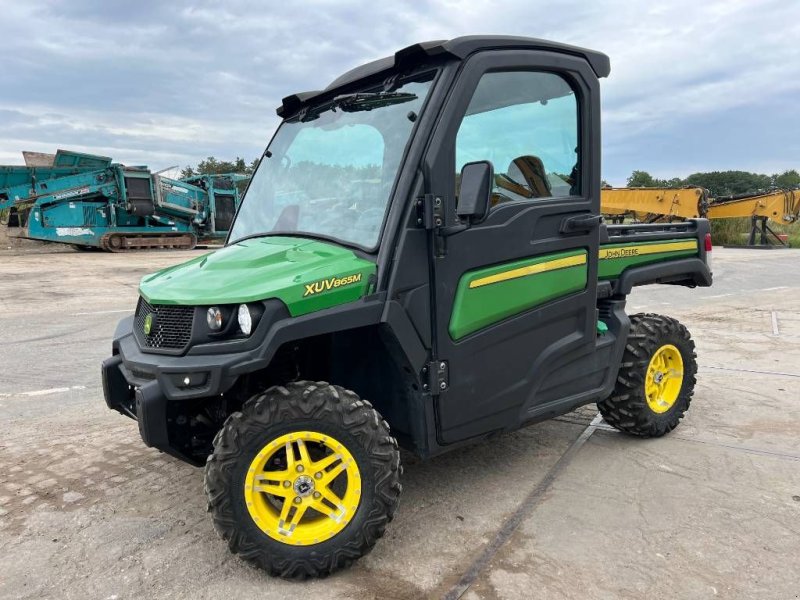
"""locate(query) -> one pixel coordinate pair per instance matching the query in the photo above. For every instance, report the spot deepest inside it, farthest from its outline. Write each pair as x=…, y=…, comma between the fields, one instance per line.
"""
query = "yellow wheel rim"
x=302, y=488
x=664, y=378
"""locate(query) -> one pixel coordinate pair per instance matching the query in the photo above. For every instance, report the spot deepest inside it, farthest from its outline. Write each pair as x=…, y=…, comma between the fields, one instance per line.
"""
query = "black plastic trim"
x=224, y=368
x=151, y=415
x=398, y=321
x=617, y=337
x=274, y=310
x=688, y=271
x=425, y=52
x=115, y=387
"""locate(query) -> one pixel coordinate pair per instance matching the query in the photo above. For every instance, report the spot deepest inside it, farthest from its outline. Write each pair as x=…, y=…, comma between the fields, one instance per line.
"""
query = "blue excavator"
x=90, y=202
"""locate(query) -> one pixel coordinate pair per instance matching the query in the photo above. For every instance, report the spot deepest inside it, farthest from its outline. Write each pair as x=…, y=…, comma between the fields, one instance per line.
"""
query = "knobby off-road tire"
x=327, y=412
x=628, y=408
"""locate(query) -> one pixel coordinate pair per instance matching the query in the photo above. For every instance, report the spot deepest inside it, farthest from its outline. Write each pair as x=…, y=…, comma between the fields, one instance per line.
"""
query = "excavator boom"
x=782, y=205
x=667, y=204
x=683, y=203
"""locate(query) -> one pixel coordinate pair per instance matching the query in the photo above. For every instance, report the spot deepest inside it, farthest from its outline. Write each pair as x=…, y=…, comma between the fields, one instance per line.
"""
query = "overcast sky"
x=695, y=85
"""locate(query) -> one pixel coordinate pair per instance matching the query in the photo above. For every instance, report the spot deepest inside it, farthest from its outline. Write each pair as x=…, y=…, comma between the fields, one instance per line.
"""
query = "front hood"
x=307, y=275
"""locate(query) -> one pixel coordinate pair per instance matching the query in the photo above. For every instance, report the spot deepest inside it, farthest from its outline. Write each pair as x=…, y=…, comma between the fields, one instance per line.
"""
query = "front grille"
x=171, y=327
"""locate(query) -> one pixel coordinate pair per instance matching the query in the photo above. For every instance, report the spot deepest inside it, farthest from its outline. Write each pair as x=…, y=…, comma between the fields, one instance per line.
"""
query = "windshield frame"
x=429, y=74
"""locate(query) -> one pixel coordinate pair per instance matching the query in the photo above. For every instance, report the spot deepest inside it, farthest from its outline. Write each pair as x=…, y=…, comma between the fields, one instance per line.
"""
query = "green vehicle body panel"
x=310, y=275
x=477, y=307
x=642, y=253
x=306, y=275
x=527, y=287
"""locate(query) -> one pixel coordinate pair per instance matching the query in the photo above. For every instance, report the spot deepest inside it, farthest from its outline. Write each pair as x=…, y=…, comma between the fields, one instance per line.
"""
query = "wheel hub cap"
x=303, y=485
x=664, y=378
x=302, y=488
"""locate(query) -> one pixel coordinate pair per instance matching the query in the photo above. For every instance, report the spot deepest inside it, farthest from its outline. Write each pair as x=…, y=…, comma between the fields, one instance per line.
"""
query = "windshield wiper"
x=370, y=100
x=361, y=101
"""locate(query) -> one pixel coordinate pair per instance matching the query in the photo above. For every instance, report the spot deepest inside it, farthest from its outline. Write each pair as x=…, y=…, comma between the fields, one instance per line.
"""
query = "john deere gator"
x=419, y=261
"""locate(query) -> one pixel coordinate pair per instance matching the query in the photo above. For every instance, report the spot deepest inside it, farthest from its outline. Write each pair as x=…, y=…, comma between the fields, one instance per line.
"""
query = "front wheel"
x=303, y=480
x=656, y=380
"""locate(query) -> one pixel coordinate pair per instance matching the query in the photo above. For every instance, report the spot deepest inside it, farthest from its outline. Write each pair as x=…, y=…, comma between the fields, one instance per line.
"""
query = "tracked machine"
x=92, y=203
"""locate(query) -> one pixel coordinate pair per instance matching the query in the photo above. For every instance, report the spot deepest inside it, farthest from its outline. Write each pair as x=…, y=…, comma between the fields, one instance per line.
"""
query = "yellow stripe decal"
x=574, y=261
x=630, y=251
x=552, y=265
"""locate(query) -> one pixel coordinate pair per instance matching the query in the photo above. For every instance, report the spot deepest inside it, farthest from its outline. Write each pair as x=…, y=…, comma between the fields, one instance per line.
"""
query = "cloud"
x=694, y=85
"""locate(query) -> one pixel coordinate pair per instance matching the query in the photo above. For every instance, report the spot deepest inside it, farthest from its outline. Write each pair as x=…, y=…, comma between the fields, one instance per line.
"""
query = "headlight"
x=214, y=318
x=245, y=319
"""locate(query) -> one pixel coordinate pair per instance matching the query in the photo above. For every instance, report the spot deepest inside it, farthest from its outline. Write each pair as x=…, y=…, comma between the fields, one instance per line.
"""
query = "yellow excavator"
x=652, y=205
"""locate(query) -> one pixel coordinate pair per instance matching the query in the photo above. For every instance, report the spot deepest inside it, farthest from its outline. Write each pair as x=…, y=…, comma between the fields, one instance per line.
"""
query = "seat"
x=530, y=173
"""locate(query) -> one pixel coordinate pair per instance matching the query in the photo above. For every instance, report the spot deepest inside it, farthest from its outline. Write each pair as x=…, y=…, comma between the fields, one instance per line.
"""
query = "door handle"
x=580, y=223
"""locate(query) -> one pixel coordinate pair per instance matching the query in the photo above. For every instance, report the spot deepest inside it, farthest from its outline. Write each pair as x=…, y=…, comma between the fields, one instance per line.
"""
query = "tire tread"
x=626, y=409
x=303, y=400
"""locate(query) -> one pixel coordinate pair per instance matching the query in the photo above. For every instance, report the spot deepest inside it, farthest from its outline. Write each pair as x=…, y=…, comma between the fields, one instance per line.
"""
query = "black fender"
x=687, y=271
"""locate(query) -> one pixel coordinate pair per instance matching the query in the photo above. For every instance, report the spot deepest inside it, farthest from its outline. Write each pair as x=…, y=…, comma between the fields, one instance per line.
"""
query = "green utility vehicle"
x=419, y=261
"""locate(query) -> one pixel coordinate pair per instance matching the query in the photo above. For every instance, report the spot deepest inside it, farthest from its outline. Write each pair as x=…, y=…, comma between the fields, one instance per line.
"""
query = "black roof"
x=457, y=48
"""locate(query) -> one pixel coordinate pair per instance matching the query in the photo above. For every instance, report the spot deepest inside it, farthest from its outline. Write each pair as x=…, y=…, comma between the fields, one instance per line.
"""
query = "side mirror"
x=474, y=199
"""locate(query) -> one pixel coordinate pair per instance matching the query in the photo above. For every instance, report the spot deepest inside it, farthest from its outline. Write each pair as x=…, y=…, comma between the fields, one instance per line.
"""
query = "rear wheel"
x=656, y=380
x=303, y=480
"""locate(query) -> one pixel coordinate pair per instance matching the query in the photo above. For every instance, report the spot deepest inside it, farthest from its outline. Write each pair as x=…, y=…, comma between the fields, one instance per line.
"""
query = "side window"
x=526, y=124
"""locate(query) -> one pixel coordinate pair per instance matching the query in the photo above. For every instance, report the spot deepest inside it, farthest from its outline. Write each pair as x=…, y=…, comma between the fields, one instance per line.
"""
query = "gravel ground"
x=712, y=510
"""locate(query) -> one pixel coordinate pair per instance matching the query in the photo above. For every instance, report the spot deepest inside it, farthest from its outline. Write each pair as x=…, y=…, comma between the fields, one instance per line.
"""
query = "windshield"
x=330, y=172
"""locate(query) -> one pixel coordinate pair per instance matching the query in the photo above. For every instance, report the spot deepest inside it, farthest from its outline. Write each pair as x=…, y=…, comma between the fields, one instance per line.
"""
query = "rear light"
x=708, y=242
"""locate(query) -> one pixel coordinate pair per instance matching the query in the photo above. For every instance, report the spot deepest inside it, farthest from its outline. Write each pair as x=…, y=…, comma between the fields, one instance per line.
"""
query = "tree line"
x=213, y=166
x=722, y=183
x=719, y=183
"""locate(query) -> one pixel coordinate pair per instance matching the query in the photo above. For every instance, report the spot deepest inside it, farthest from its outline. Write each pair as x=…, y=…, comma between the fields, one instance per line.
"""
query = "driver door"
x=516, y=294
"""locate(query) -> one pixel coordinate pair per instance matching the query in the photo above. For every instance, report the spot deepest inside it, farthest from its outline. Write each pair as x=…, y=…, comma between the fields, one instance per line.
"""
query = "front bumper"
x=151, y=388
x=147, y=405
x=178, y=377
x=140, y=385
